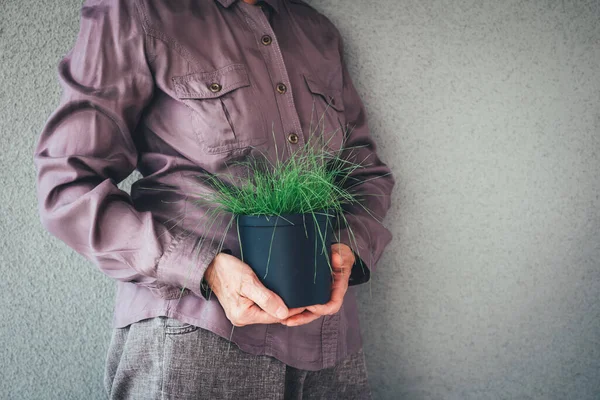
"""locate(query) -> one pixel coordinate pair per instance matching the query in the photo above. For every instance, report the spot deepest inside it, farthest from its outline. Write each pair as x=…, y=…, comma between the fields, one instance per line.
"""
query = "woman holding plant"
x=185, y=92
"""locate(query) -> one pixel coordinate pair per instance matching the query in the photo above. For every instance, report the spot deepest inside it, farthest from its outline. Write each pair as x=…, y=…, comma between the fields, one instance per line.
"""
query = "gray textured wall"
x=489, y=114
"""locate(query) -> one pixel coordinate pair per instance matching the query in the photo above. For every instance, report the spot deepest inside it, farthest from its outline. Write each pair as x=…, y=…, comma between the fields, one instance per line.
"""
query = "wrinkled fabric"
x=179, y=90
x=163, y=358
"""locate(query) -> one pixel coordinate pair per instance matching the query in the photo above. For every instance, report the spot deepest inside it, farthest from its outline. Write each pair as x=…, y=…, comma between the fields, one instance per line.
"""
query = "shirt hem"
x=249, y=348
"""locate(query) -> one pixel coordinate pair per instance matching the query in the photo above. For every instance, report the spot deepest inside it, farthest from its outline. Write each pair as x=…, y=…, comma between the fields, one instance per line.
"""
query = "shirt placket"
x=329, y=339
x=290, y=121
x=280, y=82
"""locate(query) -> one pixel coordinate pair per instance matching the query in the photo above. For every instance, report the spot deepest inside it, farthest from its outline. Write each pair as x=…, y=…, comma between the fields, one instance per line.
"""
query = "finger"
x=247, y=312
x=266, y=299
x=256, y=315
x=340, y=279
x=303, y=318
x=340, y=274
x=329, y=308
x=333, y=305
x=295, y=311
x=339, y=287
x=337, y=260
x=343, y=255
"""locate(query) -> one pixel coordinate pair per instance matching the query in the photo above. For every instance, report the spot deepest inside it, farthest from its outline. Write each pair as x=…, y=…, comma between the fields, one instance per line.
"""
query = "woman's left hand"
x=342, y=260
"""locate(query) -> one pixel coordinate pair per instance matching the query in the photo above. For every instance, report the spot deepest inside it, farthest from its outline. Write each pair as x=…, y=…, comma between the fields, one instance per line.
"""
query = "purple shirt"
x=177, y=90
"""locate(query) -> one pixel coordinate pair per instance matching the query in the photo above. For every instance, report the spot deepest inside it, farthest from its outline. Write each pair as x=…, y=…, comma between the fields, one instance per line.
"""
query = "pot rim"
x=283, y=219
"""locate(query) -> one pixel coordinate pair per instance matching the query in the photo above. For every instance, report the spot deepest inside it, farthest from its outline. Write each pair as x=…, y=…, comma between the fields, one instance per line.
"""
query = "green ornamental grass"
x=313, y=180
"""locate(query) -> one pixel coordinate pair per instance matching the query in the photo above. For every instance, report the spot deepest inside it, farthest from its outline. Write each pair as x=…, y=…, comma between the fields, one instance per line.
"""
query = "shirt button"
x=281, y=88
x=215, y=87
x=293, y=138
x=266, y=40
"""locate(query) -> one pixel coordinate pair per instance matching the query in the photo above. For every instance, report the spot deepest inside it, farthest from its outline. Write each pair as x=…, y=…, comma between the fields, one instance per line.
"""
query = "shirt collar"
x=272, y=3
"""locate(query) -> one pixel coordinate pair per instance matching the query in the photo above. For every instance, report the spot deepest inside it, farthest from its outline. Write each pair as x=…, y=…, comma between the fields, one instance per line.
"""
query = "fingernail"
x=281, y=313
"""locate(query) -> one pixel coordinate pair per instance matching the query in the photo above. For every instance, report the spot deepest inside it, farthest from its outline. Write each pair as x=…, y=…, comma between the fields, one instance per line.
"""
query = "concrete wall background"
x=489, y=114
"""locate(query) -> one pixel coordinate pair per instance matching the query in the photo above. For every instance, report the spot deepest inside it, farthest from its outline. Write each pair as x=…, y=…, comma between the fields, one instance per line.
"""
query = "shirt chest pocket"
x=222, y=106
x=327, y=114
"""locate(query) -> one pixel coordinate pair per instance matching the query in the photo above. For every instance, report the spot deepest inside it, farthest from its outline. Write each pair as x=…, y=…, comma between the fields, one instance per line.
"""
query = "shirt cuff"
x=205, y=289
x=184, y=262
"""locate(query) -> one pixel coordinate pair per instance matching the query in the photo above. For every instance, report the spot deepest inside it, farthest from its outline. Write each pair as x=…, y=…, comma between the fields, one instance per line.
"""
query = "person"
x=179, y=90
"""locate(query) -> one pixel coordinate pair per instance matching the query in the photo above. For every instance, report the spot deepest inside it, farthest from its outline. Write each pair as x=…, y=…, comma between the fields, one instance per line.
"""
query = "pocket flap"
x=199, y=84
x=331, y=96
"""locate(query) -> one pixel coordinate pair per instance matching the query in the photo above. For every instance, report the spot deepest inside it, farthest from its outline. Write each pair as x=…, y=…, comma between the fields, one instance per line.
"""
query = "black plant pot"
x=290, y=254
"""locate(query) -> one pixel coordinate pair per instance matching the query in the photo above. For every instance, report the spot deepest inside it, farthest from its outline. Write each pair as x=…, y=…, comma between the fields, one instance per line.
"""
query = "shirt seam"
x=159, y=35
x=151, y=313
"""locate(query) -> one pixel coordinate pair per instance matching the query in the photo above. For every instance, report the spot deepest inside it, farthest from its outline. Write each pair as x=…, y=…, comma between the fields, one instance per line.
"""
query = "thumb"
x=266, y=299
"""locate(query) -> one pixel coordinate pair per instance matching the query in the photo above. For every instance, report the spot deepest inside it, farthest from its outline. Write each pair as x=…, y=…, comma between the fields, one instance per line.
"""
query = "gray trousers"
x=163, y=358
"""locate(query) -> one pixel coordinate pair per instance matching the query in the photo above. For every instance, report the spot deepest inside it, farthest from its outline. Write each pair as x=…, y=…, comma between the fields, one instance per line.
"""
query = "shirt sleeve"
x=371, y=183
x=86, y=148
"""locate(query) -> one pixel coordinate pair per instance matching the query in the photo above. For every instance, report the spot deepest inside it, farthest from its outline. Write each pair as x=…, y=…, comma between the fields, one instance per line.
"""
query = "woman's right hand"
x=241, y=294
